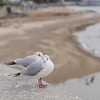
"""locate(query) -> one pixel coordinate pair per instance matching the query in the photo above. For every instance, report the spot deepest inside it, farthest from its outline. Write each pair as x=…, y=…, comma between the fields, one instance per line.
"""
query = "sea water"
x=95, y=9
x=90, y=39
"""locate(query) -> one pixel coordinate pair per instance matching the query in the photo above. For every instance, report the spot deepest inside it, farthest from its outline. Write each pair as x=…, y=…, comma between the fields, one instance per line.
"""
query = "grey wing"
x=33, y=69
x=25, y=61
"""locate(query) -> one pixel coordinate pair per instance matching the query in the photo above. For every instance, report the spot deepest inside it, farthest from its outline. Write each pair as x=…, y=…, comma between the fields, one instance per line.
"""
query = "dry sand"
x=53, y=36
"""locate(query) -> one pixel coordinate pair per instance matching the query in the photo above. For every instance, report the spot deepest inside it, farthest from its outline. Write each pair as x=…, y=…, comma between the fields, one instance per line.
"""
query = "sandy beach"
x=20, y=37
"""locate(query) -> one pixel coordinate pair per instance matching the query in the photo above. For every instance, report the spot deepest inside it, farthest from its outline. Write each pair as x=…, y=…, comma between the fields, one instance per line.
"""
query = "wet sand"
x=52, y=36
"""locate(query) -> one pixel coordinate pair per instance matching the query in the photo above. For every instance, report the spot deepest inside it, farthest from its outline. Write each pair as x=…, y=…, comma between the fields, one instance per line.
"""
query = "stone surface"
x=25, y=88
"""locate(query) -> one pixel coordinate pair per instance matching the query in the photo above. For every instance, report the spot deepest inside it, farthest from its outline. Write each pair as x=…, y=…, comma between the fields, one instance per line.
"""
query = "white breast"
x=47, y=69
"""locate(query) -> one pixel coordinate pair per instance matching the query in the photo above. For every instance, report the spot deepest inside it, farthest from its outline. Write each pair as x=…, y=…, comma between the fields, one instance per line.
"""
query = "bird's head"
x=39, y=54
x=46, y=58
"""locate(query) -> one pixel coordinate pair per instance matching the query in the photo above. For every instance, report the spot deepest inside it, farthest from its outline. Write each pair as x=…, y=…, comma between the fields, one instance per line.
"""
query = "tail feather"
x=10, y=63
x=15, y=75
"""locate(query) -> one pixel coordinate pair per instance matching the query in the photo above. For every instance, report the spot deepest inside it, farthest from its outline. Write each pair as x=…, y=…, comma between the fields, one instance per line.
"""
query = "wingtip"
x=14, y=75
x=6, y=63
x=10, y=63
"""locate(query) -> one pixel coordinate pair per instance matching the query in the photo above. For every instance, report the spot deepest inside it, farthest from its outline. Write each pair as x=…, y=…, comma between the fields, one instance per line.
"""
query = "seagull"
x=39, y=69
x=27, y=60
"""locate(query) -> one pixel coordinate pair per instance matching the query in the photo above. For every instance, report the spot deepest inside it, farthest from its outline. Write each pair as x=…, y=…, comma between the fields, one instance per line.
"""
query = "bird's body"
x=26, y=61
x=33, y=69
x=38, y=69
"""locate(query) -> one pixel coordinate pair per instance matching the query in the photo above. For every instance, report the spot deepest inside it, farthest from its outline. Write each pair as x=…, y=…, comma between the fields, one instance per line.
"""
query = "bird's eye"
x=39, y=55
x=47, y=59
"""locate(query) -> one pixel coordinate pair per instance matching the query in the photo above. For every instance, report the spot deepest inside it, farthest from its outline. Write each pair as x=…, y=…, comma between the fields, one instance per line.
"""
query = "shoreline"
x=56, y=40
x=79, y=47
x=90, y=42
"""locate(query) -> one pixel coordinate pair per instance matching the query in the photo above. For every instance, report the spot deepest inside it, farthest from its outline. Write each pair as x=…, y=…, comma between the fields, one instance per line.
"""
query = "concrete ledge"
x=25, y=88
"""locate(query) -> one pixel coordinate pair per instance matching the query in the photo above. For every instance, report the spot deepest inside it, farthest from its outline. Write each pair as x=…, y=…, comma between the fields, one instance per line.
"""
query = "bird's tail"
x=15, y=75
x=10, y=63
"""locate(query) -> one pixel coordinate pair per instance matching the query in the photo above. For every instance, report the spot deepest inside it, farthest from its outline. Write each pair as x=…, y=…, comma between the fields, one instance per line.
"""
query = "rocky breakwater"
x=25, y=88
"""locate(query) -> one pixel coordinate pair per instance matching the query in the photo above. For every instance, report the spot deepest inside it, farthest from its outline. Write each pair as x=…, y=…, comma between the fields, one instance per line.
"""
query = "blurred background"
x=67, y=30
